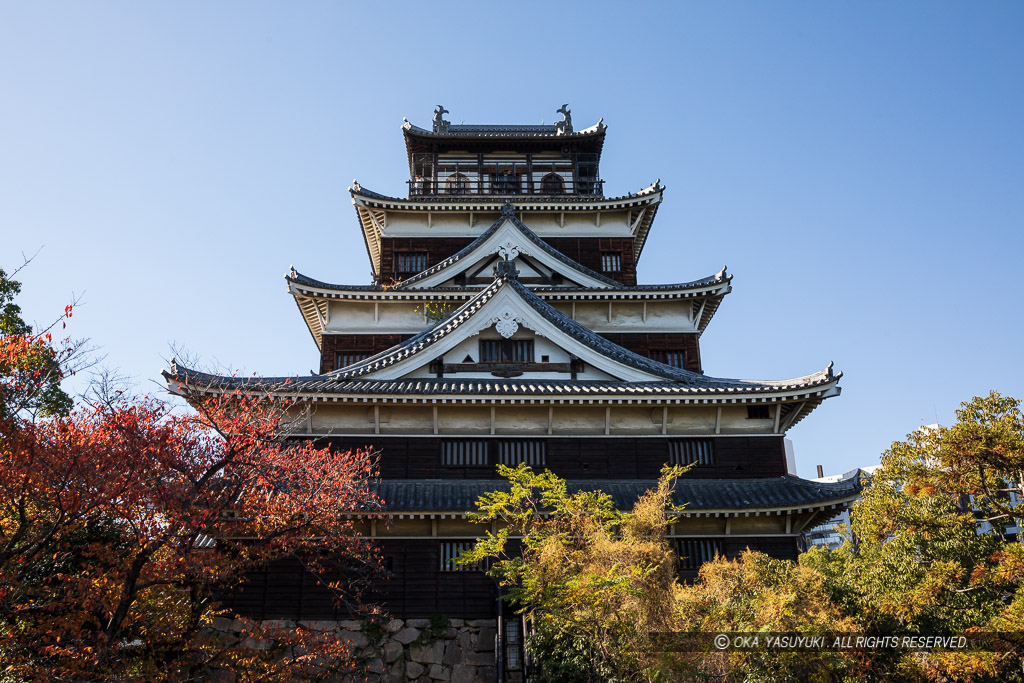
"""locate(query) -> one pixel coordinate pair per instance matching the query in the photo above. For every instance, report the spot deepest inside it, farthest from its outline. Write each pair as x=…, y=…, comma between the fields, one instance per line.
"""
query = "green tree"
x=926, y=561
x=594, y=581
x=760, y=594
x=31, y=368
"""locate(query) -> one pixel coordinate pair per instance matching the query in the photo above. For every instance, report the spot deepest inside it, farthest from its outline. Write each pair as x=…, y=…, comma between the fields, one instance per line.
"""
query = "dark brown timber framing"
x=586, y=251
x=654, y=345
x=419, y=457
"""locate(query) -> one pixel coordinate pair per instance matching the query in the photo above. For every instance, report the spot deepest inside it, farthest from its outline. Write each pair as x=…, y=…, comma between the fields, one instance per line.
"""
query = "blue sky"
x=858, y=166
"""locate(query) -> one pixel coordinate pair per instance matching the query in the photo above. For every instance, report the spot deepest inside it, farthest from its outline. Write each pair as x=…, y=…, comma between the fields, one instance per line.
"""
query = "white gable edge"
x=508, y=240
x=507, y=305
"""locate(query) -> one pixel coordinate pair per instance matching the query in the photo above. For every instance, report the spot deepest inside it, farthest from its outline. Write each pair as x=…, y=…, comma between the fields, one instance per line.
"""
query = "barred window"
x=691, y=451
x=508, y=351
x=464, y=453
x=522, y=351
x=490, y=350
x=412, y=261
x=512, y=453
x=611, y=262
x=351, y=357
x=759, y=413
x=450, y=552
x=676, y=359
x=695, y=552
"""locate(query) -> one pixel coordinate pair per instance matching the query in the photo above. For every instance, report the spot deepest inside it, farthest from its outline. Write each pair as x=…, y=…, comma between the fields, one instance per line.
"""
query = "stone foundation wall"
x=415, y=650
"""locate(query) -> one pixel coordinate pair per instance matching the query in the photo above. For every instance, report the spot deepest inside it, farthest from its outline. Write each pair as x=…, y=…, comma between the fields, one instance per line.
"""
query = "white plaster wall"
x=463, y=419
x=341, y=419
x=691, y=419
x=735, y=421
x=578, y=420
x=521, y=420
x=633, y=420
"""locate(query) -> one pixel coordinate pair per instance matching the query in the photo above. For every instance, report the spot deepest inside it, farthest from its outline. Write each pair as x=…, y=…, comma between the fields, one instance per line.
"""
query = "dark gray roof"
x=718, y=278
x=492, y=200
x=507, y=214
x=348, y=379
x=464, y=313
x=447, y=495
x=504, y=131
x=328, y=385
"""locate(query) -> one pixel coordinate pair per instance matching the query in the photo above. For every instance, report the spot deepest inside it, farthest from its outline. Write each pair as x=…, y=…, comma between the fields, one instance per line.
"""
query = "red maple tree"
x=122, y=522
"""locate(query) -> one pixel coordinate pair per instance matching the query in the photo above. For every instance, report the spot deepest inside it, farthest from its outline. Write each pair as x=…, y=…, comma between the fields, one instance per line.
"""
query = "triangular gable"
x=507, y=305
x=509, y=239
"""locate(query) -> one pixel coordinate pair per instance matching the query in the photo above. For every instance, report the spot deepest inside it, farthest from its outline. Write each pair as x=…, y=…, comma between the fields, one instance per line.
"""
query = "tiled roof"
x=447, y=495
x=678, y=380
x=504, y=131
x=460, y=316
x=507, y=214
x=522, y=202
x=711, y=280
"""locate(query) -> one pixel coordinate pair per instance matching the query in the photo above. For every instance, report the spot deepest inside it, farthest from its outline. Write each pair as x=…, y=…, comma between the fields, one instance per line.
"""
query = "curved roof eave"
x=645, y=196
x=419, y=343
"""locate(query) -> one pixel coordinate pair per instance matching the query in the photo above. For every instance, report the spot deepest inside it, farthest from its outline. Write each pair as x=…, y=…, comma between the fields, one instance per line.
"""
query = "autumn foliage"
x=123, y=521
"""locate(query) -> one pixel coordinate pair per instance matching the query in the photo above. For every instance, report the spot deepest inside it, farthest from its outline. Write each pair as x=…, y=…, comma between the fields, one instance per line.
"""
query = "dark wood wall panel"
x=436, y=248
x=584, y=250
x=587, y=251
x=572, y=458
x=644, y=343
x=779, y=547
x=413, y=587
x=333, y=344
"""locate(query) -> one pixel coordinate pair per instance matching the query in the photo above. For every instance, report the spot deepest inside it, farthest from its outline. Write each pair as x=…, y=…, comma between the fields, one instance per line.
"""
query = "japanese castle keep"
x=505, y=325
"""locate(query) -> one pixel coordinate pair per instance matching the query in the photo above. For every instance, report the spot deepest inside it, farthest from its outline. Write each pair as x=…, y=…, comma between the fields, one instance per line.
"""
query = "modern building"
x=504, y=324
x=833, y=532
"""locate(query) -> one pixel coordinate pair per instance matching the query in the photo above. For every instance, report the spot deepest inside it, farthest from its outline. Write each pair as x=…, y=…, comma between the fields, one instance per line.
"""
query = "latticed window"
x=490, y=350
x=347, y=358
x=411, y=262
x=694, y=552
x=512, y=453
x=506, y=350
x=611, y=261
x=513, y=638
x=450, y=552
x=464, y=453
x=522, y=350
x=676, y=359
x=691, y=452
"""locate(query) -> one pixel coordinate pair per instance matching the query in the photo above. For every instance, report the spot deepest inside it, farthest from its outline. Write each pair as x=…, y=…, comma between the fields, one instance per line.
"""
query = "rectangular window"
x=348, y=358
x=691, y=452
x=412, y=262
x=450, y=552
x=522, y=351
x=676, y=359
x=695, y=552
x=512, y=643
x=490, y=350
x=506, y=351
x=464, y=453
x=512, y=453
x=759, y=413
x=611, y=262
